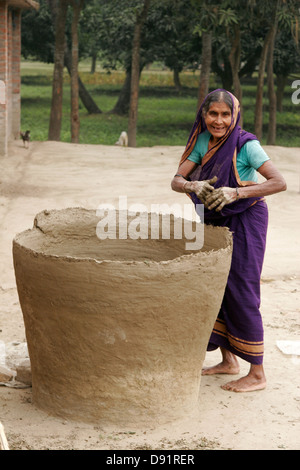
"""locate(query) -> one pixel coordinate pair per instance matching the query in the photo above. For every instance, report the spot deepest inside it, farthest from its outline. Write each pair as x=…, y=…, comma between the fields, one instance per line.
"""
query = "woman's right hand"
x=202, y=189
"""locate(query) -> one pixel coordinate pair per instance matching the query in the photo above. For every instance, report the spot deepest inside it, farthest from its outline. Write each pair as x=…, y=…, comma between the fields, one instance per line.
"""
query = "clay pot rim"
x=78, y=259
x=39, y=228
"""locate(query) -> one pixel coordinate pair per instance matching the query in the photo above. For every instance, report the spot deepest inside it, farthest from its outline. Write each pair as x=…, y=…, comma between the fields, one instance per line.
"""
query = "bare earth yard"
x=58, y=175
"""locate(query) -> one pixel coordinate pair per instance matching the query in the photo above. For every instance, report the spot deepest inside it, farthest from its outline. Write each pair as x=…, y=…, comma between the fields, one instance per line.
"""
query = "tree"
x=38, y=42
x=38, y=33
x=205, y=66
x=235, y=61
x=286, y=61
x=86, y=99
x=164, y=39
x=275, y=13
x=286, y=51
x=90, y=21
x=271, y=138
x=233, y=16
x=222, y=19
x=112, y=30
x=75, y=122
x=167, y=38
x=122, y=105
x=228, y=37
x=57, y=86
x=84, y=95
x=135, y=73
x=268, y=14
x=206, y=13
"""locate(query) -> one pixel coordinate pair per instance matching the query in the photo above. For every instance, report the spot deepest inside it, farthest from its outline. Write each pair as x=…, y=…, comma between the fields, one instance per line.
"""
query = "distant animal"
x=123, y=139
x=26, y=138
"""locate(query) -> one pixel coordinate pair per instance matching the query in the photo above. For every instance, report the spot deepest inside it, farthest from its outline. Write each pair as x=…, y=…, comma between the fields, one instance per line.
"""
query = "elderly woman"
x=219, y=170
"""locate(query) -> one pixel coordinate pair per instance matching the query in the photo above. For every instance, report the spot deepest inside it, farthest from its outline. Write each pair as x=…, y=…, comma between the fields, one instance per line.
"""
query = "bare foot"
x=249, y=383
x=229, y=365
x=222, y=368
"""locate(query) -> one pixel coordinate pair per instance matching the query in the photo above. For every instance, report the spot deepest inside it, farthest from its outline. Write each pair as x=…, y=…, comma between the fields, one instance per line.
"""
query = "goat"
x=123, y=139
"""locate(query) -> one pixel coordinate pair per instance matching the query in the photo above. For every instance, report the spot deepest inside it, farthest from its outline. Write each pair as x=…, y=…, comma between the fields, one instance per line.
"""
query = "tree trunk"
x=258, y=116
x=271, y=138
x=84, y=95
x=235, y=61
x=122, y=105
x=57, y=85
x=281, y=83
x=135, y=74
x=205, y=67
x=75, y=121
x=94, y=62
x=266, y=56
x=224, y=73
x=176, y=79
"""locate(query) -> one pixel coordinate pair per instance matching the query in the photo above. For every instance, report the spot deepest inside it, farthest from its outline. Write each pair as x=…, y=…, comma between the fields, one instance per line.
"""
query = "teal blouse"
x=248, y=160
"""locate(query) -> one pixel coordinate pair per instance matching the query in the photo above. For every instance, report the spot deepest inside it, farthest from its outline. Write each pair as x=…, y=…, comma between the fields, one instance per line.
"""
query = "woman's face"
x=218, y=119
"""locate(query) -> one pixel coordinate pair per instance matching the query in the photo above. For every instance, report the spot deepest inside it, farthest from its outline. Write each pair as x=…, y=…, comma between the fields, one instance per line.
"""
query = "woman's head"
x=219, y=114
x=216, y=112
x=217, y=96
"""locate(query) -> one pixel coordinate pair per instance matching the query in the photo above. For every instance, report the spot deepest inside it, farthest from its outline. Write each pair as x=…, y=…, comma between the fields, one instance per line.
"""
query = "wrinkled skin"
x=213, y=198
x=204, y=189
x=218, y=198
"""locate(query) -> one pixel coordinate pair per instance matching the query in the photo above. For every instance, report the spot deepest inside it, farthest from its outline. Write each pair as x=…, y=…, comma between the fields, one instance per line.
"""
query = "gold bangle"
x=183, y=187
x=237, y=194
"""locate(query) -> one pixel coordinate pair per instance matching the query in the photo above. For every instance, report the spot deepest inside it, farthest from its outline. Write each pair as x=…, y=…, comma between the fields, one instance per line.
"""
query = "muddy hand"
x=203, y=189
x=220, y=197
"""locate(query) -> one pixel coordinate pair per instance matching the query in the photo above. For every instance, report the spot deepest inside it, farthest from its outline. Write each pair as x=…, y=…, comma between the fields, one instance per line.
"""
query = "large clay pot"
x=117, y=329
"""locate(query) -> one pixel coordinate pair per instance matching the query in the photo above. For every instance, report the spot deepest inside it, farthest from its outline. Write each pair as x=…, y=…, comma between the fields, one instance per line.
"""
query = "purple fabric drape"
x=238, y=327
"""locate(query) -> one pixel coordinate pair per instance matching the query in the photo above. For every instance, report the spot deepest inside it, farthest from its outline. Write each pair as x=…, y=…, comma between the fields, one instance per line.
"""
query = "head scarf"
x=220, y=160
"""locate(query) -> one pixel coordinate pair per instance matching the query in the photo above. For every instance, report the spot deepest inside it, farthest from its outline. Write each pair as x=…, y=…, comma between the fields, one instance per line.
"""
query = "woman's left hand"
x=220, y=197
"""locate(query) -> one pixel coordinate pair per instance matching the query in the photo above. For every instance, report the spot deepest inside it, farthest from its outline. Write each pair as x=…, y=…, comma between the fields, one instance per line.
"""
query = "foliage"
x=172, y=32
x=172, y=37
x=38, y=33
x=286, y=55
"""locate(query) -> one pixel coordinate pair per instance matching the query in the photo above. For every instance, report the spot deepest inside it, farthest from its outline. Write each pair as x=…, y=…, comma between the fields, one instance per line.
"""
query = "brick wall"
x=10, y=55
x=16, y=74
x=3, y=76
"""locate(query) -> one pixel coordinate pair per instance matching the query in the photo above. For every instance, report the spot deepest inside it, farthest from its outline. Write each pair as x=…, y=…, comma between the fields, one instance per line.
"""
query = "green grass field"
x=165, y=116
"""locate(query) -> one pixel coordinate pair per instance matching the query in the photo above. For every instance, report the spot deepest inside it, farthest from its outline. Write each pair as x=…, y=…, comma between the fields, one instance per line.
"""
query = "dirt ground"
x=52, y=175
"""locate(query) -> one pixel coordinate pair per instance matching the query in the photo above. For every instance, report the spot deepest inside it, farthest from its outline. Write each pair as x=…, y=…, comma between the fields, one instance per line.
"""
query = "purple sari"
x=238, y=327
